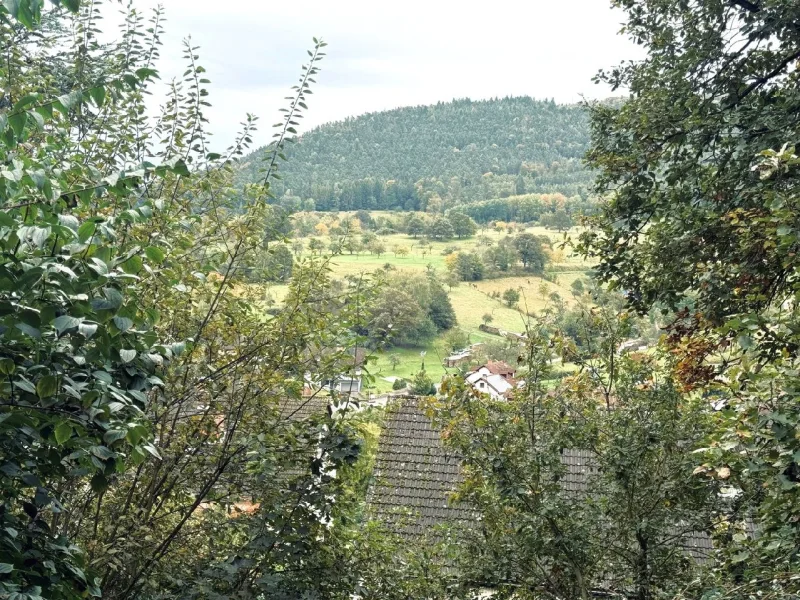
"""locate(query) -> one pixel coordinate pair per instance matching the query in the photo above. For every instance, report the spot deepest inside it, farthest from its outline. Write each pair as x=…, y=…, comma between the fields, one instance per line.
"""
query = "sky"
x=384, y=54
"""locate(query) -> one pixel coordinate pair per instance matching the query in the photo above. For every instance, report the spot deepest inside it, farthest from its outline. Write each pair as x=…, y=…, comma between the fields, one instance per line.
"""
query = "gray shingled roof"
x=415, y=475
x=581, y=465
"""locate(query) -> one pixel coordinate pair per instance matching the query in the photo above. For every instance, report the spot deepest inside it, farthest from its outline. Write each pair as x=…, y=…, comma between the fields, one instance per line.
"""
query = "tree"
x=467, y=265
x=376, y=247
x=631, y=459
x=451, y=280
x=394, y=360
x=503, y=256
x=297, y=247
x=577, y=288
x=416, y=226
x=531, y=252
x=321, y=229
x=402, y=251
x=456, y=339
x=511, y=297
x=440, y=229
x=316, y=246
x=519, y=185
x=463, y=226
x=487, y=318
x=440, y=309
x=702, y=221
x=141, y=375
x=422, y=385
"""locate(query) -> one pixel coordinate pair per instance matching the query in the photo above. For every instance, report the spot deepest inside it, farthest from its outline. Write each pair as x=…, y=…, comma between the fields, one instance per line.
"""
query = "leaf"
x=25, y=385
x=7, y=366
x=65, y=322
x=123, y=323
x=127, y=355
x=155, y=254
x=102, y=452
x=133, y=265
x=98, y=95
x=86, y=230
x=63, y=432
x=102, y=376
x=28, y=330
x=99, y=483
x=46, y=386
x=87, y=330
x=17, y=123
x=109, y=437
x=6, y=568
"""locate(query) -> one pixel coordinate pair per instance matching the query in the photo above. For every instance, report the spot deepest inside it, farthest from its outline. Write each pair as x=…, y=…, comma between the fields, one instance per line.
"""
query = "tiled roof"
x=415, y=475
x=581, y=466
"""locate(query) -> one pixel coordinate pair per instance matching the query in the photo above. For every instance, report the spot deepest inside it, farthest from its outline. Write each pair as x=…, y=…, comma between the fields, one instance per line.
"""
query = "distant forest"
x=433, y=158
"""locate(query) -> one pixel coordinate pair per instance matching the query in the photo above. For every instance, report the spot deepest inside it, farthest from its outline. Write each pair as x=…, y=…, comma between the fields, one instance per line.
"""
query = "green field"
x=470, y=300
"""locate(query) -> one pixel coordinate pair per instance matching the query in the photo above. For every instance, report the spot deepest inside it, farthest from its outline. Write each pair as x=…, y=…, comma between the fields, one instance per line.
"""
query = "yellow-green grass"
x=470, y=300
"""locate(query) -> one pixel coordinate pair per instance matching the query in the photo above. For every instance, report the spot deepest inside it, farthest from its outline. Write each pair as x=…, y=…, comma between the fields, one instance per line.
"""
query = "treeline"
x=528, y=208
x=434, y=157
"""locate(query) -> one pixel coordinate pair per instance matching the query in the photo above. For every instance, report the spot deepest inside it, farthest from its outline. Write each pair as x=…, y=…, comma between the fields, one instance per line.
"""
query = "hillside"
x=449, y=153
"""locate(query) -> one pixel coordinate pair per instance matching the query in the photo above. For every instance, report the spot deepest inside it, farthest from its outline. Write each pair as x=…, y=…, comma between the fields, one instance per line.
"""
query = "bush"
x=399, y=384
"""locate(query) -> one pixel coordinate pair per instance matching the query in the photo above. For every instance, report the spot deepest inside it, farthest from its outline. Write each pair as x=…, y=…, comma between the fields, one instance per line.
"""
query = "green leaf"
x=127, y=355
x=102, y=452
x=123, y=323
x=47, y=386
x=6, y=568
x=63, y=432
x=98, y=95
x=155, y=254
x=109, y=437
x=24, y=102
x=86, y=230
x=99, y=483
x=28, y=330
x=17, y=123
x=87, y=330
x=7, y=366
x=133, y=265
x=65, y=323
x=25, y=385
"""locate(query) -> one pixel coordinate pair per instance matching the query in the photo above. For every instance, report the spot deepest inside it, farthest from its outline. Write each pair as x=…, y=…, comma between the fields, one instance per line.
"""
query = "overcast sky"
x=383, y=54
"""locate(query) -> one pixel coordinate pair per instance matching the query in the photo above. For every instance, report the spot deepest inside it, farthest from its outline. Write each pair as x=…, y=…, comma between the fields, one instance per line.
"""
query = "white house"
x=495, y=378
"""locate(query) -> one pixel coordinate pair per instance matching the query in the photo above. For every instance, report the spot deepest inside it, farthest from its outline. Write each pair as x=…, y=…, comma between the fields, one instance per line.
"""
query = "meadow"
x=470, y=300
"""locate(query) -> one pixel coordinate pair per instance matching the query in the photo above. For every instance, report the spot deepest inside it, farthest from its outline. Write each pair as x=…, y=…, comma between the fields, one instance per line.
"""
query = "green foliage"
x=467, y=266
x=703, y=220
x=531, y=252
x=409, y=310
x=511, y=296
x=421, y=384
x=441, y=228
x=146, y=451
x=463, y=226
x=434, y=157
x=614, y=524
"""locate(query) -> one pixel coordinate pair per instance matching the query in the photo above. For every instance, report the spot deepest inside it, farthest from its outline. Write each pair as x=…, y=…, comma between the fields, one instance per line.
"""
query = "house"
x=416, y=477
x=347, y=382
x=461, y=356
x=458, y=358
x=494, y=378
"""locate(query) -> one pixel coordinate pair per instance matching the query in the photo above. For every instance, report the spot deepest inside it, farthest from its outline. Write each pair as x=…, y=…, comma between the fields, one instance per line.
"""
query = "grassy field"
x=470, y=300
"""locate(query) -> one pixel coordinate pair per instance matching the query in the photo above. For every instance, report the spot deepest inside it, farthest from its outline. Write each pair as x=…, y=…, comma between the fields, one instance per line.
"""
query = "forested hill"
x=449, y=153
